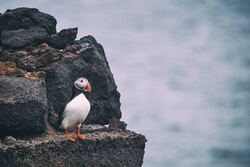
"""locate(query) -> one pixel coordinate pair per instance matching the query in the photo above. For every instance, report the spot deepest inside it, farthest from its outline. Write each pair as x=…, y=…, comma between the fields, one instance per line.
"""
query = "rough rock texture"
x=24, y=18
x=22, y=37
x=102, y=148
x=37, y=69
x=115, y=124
x=64, y=37
x=23, y=105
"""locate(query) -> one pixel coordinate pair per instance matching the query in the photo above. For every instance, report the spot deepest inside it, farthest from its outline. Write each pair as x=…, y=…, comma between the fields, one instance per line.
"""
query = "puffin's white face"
x=83, y=84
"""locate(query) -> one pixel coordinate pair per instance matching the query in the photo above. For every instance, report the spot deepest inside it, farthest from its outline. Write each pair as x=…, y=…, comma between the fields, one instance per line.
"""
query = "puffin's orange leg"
x=80, y=135
x=68, y=137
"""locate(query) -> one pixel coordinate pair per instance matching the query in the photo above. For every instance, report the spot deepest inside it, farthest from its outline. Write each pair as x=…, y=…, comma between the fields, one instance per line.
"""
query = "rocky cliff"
x=37, y=69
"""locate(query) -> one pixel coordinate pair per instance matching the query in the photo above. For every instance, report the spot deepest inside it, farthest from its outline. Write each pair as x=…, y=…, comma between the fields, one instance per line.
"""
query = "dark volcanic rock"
x=22, y=37
x=83, y=58
x=33, y=59
x=64, y=37
x=24, y=18
x=23, y=105
x=115, y=124
x=90, y=40
x=112, y=149
x=37, y=82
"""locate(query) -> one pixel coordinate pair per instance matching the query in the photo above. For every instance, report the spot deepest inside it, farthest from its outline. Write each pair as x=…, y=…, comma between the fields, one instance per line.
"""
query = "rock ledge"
x=101, y=148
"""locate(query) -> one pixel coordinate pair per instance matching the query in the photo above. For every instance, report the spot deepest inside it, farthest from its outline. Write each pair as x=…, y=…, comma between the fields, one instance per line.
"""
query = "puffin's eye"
x=81, y=81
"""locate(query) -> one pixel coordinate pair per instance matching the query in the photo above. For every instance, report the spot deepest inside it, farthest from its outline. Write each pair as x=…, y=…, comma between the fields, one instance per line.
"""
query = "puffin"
x=76, y=110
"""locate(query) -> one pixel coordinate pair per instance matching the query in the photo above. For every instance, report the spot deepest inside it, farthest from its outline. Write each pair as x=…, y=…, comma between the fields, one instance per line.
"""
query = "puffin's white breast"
x=76, y=111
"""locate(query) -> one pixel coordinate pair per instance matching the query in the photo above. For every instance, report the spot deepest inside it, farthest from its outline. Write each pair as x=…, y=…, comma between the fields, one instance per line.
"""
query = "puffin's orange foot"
x=82, y=136
x=71, y=139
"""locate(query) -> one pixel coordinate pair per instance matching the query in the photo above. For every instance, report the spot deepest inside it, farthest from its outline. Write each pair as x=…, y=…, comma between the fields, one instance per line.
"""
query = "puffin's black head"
x=82, y=84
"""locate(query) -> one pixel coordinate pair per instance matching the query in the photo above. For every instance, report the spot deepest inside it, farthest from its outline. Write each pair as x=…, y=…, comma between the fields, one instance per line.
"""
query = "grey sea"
x=183, y=70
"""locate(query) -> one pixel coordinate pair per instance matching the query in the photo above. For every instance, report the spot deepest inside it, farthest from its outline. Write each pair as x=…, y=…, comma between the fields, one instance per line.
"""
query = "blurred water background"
x=183, y=70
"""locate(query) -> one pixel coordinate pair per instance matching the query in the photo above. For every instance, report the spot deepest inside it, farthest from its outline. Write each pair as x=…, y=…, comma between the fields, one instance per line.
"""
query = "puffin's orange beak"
x=89, y=88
